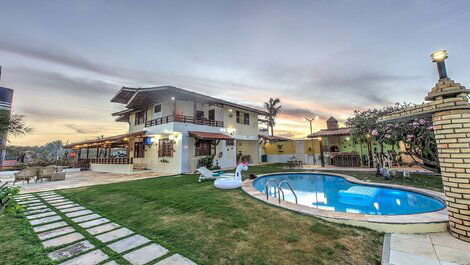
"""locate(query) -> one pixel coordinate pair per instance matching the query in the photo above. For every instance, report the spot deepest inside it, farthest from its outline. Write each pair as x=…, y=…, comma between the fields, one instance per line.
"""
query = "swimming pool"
x=334, y=193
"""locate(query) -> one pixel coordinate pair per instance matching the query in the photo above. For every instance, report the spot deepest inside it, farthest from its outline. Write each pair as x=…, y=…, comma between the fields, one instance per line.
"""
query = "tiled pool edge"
x=436, y=221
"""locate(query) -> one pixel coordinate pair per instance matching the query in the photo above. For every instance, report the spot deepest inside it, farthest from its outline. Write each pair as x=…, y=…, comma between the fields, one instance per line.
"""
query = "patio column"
x=452, y=130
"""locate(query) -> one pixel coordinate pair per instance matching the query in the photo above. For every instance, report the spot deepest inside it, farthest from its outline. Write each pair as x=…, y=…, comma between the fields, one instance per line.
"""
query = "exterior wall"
x=308, y=151
x=242, y=131
x=224, y=156
x=112, y=168
x=248, y=148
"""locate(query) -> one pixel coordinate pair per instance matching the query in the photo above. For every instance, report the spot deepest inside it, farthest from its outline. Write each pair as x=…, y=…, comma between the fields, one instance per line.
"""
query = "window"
x=238, y=116
x=140, y=117
x=199, y=114
x=157, y=108
x=139, y=150
x=230, y=142
x=246, y=118
x=165, y=148
x=212, y=114
x=205, y=148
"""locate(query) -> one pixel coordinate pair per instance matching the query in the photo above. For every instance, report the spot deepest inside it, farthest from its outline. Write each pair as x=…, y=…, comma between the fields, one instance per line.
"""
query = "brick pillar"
x=452, y=129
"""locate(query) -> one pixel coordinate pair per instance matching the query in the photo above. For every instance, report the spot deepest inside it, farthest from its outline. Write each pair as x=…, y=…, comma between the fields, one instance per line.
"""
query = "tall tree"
x=273, y=107
x=13, y=124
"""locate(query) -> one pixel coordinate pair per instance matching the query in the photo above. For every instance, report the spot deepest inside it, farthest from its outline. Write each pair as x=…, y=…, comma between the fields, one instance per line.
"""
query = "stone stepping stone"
x=113, y=235
x=43, y=228
x=55, y=232
x=37, y=211
x=85, y=218
x=93, y=223
x=128, y=243
x=71, y=250
x=69, y=205
x=72, y=209
x=25, y=196
x=46, y=193
x=33, y=204
x=176, y=259
x=146, y=254
x=78, y=213
x=62, y=240
x=91, y=258
x=40, y=215
x=112, y=262
x=29, y=202
x=102, y=228
x=25, y=199
x=52, y=197
x=61, y=203
x=57, y=200
x=37, y=207
x=45, y=220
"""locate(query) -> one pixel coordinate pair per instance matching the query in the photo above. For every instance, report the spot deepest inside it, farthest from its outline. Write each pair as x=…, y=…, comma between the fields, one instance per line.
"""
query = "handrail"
x=266, y=186
x=280, y=189
x=184, y=119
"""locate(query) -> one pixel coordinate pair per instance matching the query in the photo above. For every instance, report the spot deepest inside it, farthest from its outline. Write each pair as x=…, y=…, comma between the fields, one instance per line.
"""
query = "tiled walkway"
x=425, y=249
x=65, y=228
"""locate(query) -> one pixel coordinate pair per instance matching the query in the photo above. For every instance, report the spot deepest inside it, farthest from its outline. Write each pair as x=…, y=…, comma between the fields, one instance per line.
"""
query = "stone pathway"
x=425, y=249
x=55, y=219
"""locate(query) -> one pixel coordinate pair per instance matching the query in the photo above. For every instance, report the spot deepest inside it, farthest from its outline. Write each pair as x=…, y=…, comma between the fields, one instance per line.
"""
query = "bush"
x=9, y=192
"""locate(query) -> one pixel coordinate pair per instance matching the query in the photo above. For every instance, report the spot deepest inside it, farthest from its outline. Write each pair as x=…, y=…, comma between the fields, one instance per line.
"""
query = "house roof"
x=334, y=132
x=209, y=135
x=138, y=98
x=110, y=139
x=332, y=119
x=273, y=138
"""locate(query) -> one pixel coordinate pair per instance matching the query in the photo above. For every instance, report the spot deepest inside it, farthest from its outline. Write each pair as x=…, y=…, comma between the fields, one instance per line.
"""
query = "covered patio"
x=107, y=154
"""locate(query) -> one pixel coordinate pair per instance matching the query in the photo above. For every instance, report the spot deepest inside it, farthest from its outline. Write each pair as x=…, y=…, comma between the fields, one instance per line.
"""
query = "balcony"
x=115, y=161
x=184, y=119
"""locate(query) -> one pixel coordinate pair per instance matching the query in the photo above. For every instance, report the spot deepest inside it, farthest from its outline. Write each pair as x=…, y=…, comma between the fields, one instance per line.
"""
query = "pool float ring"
x=232, y=183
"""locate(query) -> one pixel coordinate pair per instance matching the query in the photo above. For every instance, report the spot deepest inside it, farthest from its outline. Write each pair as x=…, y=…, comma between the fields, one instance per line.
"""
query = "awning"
x=209, y=135
x=110, y=139
x=273, y=138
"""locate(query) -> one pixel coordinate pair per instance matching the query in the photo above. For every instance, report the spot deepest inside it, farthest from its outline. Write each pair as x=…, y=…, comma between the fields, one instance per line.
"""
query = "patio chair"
x=26, y=174
x=207, y=174
x=46, y=173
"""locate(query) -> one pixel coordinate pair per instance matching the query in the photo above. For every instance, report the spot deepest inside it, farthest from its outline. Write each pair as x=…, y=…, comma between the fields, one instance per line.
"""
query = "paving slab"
x=43, y=228
x=115, y=234
x=57, y=200
x=112, y=262
x=45, y=220
x=68, y=205
x=85, y=218
x=28, y=202
x=25, y=196
x=37, y=207
x=91, y=258
x=29, y=206
x=175, y=259
x=56, y=232
x=102, y=228
x=43, y=210
x=128, y=243
x=78, y=213
x=62, y=240
x=146, y=254
x=94, y=222
x=72, y=209
x=61, y=203
x=403, y=258
x=71, y=250
x=40, y=215
x=53, y=197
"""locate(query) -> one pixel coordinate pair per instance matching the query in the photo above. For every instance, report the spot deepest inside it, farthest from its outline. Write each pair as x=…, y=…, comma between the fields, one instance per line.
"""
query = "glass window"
x=140, y=117
x=238, y=116
x=246, y=118
x=158, y=108
x=205, y=147
x=139, y=150
x=165, y=148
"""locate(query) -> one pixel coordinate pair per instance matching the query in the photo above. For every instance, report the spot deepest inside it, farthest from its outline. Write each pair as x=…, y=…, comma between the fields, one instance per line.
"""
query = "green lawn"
x=207, y=225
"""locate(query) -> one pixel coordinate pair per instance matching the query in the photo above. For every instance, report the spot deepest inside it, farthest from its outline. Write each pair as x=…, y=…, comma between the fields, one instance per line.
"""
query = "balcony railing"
x=184, y=119
x=116, y=160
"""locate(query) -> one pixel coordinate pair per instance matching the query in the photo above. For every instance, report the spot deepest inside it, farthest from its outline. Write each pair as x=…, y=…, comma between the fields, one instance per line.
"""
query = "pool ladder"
x=279, y=189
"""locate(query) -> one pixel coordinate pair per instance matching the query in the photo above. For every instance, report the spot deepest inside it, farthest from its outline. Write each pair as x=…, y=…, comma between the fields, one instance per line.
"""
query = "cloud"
x=80, y=129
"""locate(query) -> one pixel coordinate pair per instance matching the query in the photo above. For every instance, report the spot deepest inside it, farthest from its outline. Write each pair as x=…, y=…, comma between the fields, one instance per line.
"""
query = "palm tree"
x=273, y=108
x=13, y=124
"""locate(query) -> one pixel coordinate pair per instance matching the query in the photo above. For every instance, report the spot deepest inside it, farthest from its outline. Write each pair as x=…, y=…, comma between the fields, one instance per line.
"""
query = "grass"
x=212, y=226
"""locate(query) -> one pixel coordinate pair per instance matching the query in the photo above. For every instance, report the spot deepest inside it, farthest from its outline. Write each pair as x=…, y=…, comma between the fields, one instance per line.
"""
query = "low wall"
x=112, y=168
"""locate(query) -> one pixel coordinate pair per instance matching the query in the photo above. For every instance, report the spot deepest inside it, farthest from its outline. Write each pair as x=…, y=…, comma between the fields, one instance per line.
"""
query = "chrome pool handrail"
x=280, y=189
x=266, y=187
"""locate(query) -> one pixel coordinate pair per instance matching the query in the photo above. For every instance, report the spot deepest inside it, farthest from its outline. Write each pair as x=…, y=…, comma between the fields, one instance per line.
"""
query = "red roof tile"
x=209, y=135
x=326, y=132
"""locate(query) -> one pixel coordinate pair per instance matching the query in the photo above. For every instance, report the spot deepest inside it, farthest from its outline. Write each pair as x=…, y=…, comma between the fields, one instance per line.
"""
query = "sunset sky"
x=66, y=59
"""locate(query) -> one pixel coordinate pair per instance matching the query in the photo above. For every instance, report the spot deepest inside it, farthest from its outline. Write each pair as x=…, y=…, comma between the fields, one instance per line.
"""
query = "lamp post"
x=439, y=58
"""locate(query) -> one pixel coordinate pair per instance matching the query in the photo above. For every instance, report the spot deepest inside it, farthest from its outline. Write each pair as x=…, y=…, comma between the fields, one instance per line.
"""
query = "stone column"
x=451, y=120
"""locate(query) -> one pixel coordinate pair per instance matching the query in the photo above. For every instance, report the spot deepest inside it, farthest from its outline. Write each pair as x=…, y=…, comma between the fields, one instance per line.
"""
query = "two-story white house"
x=171, y=130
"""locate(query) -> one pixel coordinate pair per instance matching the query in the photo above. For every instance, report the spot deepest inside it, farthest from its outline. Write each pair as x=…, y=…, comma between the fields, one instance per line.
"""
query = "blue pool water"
x=337, y=194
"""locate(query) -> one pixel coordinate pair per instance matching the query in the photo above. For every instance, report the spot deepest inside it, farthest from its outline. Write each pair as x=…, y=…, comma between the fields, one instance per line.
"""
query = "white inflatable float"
x=232, y=183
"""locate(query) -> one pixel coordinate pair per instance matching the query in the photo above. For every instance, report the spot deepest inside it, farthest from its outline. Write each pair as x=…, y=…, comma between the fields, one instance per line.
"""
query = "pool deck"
x=436, y=221
x=426, y=249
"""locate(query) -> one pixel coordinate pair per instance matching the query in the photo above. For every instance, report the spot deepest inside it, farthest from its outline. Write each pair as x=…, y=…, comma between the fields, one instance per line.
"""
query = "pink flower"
x=388, y=136
x=410, y=137
x=375, y=133
x=431, y=128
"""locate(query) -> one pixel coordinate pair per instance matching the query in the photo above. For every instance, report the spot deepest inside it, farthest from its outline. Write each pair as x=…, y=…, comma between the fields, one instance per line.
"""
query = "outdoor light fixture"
x=439, y=58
